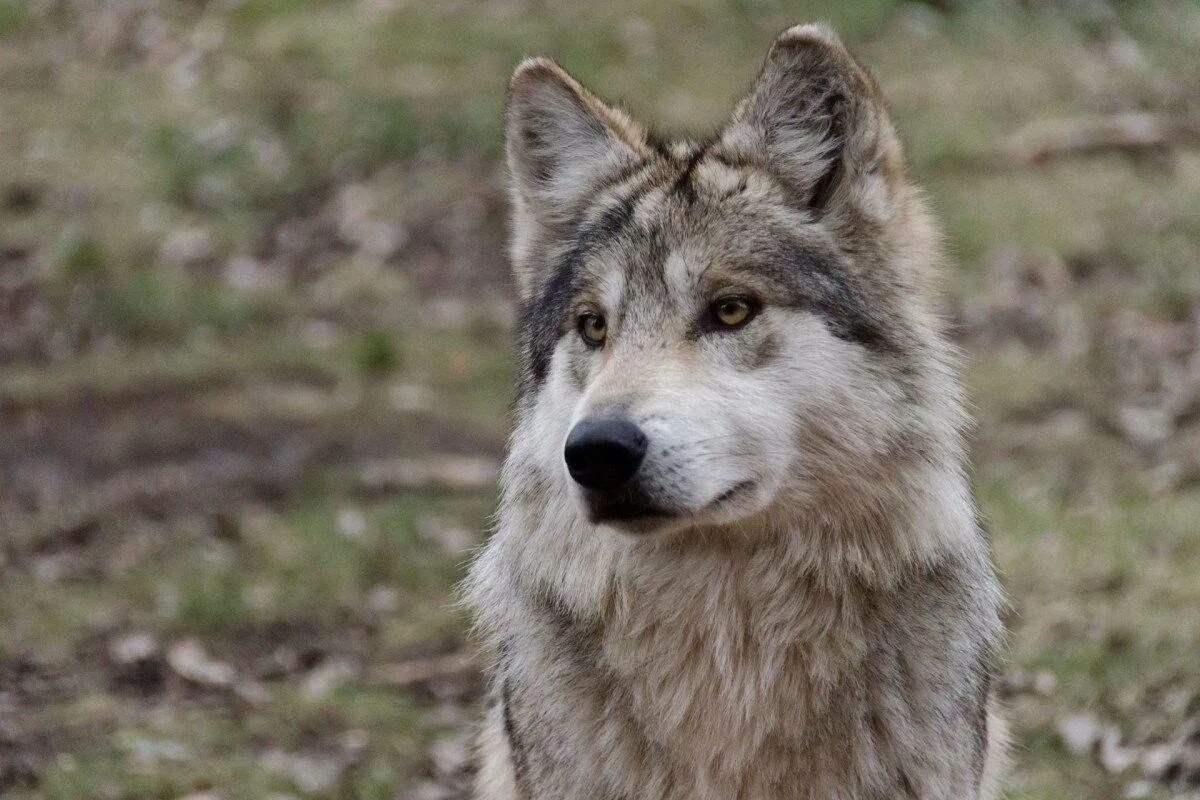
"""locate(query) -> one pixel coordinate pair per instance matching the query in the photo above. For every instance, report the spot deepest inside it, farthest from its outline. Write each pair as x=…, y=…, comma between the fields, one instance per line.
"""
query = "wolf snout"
x=604, y=453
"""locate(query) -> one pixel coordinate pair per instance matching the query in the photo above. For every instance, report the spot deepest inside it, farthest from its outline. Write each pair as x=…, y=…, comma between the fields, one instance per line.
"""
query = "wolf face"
x=729, y=330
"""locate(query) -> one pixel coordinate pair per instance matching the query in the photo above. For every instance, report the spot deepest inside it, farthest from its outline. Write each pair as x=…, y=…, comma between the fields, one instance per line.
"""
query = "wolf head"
x=729, y=329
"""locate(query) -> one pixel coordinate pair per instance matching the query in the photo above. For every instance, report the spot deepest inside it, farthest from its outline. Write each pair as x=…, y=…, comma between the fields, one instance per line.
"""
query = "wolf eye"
x=732, y=312
x=593, y=329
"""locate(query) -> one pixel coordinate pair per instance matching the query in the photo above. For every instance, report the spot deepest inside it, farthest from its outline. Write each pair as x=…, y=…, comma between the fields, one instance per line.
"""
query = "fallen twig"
x=430, y=472
x=451, y=666
x=1045, y=140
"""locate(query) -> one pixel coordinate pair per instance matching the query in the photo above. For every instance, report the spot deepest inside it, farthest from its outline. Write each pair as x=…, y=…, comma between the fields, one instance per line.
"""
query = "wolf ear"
x=562, y=142
x=816, y=118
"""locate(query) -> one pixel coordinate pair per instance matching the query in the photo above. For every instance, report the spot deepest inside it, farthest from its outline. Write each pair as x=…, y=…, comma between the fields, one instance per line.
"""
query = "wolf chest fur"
x=737, y=556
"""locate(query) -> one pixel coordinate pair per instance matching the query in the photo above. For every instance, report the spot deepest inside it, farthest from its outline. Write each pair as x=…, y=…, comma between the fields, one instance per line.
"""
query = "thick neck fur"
x=724, y=644
x=839, y=545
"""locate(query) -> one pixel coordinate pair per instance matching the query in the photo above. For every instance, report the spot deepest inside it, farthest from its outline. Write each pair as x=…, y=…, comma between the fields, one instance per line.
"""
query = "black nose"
x=604, y=452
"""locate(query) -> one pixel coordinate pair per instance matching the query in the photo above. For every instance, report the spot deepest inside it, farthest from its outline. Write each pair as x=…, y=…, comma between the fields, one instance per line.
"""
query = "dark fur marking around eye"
x=545, y=314
x=822, y=288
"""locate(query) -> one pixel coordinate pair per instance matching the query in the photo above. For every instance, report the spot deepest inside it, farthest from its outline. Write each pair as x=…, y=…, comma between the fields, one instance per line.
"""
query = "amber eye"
x=732, y=312
x=593, y=329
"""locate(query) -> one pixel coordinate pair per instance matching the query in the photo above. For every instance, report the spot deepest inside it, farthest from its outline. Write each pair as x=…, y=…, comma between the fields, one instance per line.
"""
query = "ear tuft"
x=817, y=32
x=531, y=64
x=816, y=118
x=562, y=143
x=559, y=133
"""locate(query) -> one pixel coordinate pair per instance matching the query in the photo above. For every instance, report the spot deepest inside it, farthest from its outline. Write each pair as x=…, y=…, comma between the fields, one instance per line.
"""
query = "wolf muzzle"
x=604, y=455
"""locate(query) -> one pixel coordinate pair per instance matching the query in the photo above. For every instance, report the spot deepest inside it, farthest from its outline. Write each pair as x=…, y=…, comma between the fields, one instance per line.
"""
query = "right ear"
x=562, y=142
x=818, y=120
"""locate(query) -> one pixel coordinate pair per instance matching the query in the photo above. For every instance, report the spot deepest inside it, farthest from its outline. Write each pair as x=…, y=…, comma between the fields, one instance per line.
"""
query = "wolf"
x=737, y=557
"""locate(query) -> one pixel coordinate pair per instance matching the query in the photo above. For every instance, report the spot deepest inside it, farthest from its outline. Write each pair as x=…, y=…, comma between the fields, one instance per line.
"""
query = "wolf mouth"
x=624, y=511
x=637, y=509
x=629, y=505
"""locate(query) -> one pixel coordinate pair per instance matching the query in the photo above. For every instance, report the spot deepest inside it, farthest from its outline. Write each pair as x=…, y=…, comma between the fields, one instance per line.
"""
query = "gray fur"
x=814, y=613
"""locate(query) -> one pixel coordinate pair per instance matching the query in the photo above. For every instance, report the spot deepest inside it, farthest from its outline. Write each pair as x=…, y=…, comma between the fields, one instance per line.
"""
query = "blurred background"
x=255, y=366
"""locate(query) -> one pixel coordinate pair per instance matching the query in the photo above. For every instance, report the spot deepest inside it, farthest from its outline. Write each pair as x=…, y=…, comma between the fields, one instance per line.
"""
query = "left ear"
x=563, y=143
x=817, y=120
